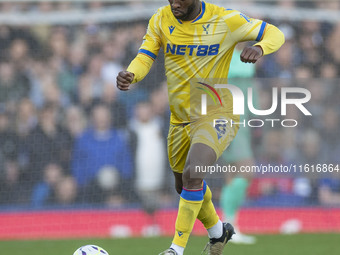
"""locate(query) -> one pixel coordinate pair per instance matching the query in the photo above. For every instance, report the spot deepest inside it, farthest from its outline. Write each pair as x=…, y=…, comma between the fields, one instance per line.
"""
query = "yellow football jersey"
x=198, y=53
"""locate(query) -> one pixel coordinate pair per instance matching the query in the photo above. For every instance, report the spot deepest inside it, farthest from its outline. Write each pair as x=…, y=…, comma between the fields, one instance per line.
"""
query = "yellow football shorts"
x=214, y=130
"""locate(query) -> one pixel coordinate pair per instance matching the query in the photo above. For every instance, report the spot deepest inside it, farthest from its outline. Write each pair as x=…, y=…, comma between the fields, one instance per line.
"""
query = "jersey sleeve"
x=272, y=40
x=242, y=28
x=148, y=51
x=152, y=39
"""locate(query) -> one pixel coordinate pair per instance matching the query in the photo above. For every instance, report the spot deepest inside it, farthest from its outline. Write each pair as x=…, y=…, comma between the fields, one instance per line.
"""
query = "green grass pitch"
x=301, y=244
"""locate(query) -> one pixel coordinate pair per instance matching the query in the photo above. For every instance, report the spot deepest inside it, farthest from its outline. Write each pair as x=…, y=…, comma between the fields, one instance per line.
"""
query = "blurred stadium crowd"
x=68, y=136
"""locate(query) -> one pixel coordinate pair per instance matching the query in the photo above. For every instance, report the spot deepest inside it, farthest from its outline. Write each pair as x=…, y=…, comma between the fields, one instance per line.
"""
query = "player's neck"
x=195, y=12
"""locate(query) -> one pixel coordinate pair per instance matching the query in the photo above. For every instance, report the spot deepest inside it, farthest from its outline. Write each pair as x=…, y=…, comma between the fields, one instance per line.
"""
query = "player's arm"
x=140, y=66
x=271, y=41
x=243, y=28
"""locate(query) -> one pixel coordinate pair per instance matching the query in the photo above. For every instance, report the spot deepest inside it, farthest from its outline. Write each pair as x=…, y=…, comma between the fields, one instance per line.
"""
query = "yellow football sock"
x=207, y=214
x=189, y=206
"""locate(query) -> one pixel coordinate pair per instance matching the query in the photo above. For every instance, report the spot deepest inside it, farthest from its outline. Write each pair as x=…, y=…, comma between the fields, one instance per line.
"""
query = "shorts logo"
x=221, y=128
x=180, y=233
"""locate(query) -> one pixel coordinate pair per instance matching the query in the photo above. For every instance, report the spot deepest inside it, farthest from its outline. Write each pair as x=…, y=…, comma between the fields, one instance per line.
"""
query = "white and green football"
x=90, y=250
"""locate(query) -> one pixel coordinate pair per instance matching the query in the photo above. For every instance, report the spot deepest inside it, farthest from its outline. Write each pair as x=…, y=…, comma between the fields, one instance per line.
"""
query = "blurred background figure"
x=150, y=156
x=13, y=85
x=44, y=192
x=48, y=142
x=66, y=191
x=75, y=121
x=270, y=189
x=329, y=190
x=12, y=190
x=310, y=152
x=328, y=132
x=111, y=99
x=100, y=146
x=8, y=139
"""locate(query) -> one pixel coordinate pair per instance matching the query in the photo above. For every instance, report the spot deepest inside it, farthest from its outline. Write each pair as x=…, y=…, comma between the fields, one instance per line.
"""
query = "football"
x=90, y=250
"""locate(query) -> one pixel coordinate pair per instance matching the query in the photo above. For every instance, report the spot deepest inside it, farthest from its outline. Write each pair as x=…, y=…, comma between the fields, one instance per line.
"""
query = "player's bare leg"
x=178, y=182
x=199, y=155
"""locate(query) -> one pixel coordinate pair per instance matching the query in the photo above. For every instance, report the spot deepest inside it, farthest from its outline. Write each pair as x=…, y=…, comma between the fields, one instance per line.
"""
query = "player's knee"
x=191, y=183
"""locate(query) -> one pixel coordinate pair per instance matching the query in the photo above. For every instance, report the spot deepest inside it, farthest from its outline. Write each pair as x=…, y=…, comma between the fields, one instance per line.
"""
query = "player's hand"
x=124, y=80
x=251, y=54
